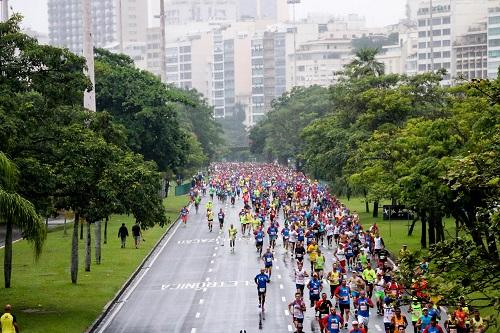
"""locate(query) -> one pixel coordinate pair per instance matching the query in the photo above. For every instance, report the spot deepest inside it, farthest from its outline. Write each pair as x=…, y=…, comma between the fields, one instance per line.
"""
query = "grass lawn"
x=42, y=296
x=394, y=233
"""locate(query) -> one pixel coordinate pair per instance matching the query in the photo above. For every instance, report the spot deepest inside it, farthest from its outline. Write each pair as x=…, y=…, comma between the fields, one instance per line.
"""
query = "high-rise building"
x=470, y=53
x=187, y=11
x=450, y=19
x=275, y=10
x=113, y=21
x=493, y=39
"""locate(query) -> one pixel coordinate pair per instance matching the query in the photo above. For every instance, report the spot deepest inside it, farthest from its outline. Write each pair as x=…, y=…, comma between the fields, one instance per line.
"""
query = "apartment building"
x=470, y=53
x=450, y=19
x=493, y=37
x=114, y=22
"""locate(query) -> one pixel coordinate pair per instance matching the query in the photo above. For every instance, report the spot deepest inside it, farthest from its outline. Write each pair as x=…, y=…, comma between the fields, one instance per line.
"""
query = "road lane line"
x=215, y=254
x=207, y=279
x=209, y=270
x=279, y=276
x=204, y=290
x=290, y=329
x=283, y=299
x=193, y=330
x=211, y=261
x=202, y=301
x=277, y=267
x=287, y=313
x=197, y=315
x=216, y=248
x=281, y=286
x=132, y=287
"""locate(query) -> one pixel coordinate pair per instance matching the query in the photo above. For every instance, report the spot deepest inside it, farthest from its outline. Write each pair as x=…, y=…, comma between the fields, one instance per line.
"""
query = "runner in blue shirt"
x=333, y=322
x=272, y=231
x=363, y=305
x=261, y=280
x=343, y=294
x=259, y=240
x=268, y=258
x=315, y=286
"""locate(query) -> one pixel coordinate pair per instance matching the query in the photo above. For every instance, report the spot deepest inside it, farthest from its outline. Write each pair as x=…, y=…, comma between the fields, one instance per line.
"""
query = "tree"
x=365, y=63
x=15, y=210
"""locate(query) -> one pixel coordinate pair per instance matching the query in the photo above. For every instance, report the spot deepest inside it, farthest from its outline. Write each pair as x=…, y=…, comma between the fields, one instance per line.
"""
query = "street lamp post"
x=5, y=10
x=88, y=53
x=293, y=3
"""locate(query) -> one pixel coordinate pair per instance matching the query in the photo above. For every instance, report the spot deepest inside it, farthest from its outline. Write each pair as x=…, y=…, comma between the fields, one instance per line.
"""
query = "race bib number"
x=269, y=259
x=345, y=298
x=259, y=239
x=334, y=326
x=363, y=308
x=262, y=290
x=299, y=255
x=394, y=292
x=316, y=292
x=453, y=330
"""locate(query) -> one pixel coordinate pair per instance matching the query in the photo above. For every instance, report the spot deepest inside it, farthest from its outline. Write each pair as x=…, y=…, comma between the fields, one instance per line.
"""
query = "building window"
x=446, y=54
x=422, y=34
x=422, y=23
x=494, y=20
x=437, y=32
x=494, y=42
x=494, y=31
x=446, y=42
x=422, y=56
x=446, y=32
x=422, y=45
x=446, y=20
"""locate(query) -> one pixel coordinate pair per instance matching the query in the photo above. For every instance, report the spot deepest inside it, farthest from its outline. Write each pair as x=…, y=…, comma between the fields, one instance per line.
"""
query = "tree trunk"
x=412, y=226
x=457, y=226
x=88, y=248
x=106, y=230
x=7, y=263
x=81, y=231
x=47, y=223
x=439, y=228
x=423, y=237
x=492, y=245
x=375, y=209
x=98, y=242
x=394, y=202
x=367, y=204
x=432, y=228
x=167, y=186
x=65, y=232
x=74, y=249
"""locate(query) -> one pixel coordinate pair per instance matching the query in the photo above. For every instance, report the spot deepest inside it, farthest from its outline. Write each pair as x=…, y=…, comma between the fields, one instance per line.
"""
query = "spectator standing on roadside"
x=8, y=322
x=137, y=233
x=123, y=234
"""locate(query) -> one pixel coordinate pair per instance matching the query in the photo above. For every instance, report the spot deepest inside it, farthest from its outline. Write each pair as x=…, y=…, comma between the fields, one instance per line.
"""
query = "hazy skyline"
x=377, y=12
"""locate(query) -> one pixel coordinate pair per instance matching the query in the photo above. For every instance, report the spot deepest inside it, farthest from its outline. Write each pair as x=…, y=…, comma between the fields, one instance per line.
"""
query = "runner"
x=184, y=214
x=261, y=280
x=315, y=286
x=398, y=321
x=300, y=278
x=343, y=294
x=221, y=216
x=197, y=201
x=334, y=278
x=210, y=219
x=232, y=237
x=388, y=313
x=333, y=322
x=259, y=241
x=323, y=307
x=297, y=309
x=268, y=258
x=363, y=305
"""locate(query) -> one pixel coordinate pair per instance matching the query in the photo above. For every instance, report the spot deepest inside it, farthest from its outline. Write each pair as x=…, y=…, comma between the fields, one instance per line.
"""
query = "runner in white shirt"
x=300, y=278
x=336, y=233
x=292, y=240
x=388, y=313
x=329, y=234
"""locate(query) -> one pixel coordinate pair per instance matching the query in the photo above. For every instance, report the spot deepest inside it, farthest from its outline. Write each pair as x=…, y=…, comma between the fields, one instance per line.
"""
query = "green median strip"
x=42, y=296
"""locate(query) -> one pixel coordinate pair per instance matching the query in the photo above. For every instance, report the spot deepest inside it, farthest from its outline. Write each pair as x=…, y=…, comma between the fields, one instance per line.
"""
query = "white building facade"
x=493, y=39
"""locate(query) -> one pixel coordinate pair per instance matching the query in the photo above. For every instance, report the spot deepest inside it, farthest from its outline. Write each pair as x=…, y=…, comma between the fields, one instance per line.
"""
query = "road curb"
x=109, y=306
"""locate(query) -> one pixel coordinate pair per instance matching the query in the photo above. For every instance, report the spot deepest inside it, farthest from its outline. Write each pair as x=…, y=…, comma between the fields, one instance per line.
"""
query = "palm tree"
x=365, y=64
x=15, y=210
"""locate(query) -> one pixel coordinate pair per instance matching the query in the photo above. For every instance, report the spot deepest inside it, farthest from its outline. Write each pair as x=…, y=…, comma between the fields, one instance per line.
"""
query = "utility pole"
x=5, y=10
x=88, y=53
x=293, y=3
x=431, y=27
x=120, y=24
x=163, y=42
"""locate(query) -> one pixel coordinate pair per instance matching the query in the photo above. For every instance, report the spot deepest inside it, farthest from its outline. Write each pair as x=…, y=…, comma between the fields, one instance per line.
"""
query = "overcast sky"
x=377, y=12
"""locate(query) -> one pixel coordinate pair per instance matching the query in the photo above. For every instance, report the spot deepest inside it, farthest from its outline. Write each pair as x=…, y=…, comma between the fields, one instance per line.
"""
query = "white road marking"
x=378, y=328
x=281, y=286
x=138, y=280
x=287, y=313
x=283, y=299
x=204, y=290
x=197, y=315
x=279, y=276
x=216, y=248
x=290, y=329
x=207, y=279
x=202, y=301
x=193, y=330
x=215, y=254
x=277, y=267
x=209, y=270
x=211, y=261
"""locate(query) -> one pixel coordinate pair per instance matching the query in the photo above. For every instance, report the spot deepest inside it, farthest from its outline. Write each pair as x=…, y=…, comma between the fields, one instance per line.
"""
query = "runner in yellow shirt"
x=232, y=237
x=8, y=321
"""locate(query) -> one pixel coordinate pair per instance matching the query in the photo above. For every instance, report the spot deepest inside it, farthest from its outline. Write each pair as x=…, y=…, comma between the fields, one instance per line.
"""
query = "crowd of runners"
x=342, y=269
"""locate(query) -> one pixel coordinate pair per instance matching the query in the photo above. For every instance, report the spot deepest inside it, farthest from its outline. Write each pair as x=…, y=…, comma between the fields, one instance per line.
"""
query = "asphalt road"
x=194, y=284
